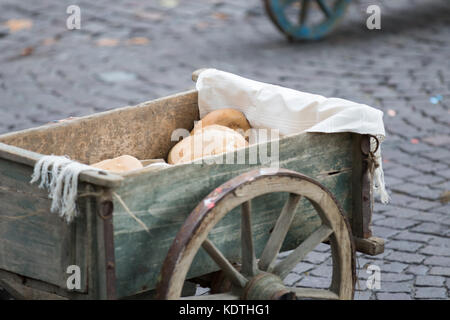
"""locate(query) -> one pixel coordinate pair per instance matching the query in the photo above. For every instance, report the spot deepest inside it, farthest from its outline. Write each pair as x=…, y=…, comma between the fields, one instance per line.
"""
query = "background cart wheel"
x=306, y=19
x=262, y=278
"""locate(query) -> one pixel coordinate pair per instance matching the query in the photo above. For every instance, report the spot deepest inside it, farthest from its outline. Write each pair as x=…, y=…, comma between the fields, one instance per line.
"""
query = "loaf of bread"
x=210, y=140
x=120, y=164
x=230, y=118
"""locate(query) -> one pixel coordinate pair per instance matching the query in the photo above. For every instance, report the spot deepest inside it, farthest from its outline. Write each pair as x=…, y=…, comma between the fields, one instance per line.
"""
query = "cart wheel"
x=306, y=19
x=262, y=278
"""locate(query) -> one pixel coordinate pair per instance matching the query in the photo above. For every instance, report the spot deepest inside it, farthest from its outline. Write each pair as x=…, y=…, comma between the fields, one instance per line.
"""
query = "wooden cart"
x=220, y=225
x=306, y=19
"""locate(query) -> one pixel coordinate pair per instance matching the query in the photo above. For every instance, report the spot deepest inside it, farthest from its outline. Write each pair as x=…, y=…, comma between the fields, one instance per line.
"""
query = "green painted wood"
x=34, y=242
x=163, y=200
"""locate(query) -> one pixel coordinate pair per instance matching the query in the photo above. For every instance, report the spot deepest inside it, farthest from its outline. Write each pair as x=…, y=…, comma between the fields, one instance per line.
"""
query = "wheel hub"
x=267, y=286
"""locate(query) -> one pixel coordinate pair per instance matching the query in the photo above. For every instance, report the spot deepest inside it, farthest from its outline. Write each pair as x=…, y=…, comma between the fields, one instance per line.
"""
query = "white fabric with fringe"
x=59, y=175
x=291, y=111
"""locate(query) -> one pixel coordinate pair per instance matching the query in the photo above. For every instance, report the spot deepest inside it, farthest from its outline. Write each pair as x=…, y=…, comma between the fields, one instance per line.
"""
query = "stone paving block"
x=433, y=217
x=444, y=173
x=392, y=181
x=303, y=267
x=413, y=236
x=393, y=296
x=392, y=267
x=322, y=271
x=401, y=245
x=314, y=282
x=445, y=209
x=404, y=172
x=379, y=207
x=423, y=205
x=433, y=167
x=430, y=281
x=291, y=279
x=430, y=228
x=399, y=223
x=435, y=250
x=400, y=212
x=440, y=271
x=417, y=269
x=426, y=179
x=392, y=287
x=437, y=155
x=396, y=277
x=381, y=256
x=419, y=192
x=402, y=200
x=438, y=261
x=404, y=257
x=322, y=248
x=442, y=187
x=316, y=257
x=384, y=232
x=431, y=293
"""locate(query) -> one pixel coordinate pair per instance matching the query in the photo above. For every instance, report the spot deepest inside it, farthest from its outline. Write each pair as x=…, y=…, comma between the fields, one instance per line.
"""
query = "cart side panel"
x=362, y=188
x=143, y=131
x=34, y=242
x=163, y=200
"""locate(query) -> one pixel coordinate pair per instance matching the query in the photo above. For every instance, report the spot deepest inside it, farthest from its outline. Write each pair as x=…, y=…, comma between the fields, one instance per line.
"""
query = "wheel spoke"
x=232, y=274
x=279, y=232
x=314, y=293
x=249, y=267
x=284, y=267
x=324, y=7
x=303, y=12
x=217, y=296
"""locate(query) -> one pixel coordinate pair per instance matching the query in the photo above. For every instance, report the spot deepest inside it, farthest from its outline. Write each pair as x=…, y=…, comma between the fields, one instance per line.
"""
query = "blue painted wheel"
x=306, y=19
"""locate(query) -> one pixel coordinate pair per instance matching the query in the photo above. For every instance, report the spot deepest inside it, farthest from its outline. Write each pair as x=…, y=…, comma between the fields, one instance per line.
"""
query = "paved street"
x=131, y=51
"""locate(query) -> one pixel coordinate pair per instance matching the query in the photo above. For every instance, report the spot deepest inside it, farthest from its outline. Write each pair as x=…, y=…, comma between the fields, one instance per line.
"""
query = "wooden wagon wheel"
x=306, y=19
x=262, y=279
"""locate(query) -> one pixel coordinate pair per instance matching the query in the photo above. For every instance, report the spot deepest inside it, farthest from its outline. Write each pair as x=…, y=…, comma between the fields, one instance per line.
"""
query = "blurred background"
x=130, y=51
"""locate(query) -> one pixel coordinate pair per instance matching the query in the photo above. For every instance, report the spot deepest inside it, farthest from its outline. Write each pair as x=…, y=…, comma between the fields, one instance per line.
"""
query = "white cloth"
x=290, y=111
x=61, y=181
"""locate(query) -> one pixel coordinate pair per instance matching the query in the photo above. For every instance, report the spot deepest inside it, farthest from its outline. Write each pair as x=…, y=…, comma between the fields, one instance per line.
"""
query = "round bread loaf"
x=229, y=118
x=211, y=140
x=120, y=164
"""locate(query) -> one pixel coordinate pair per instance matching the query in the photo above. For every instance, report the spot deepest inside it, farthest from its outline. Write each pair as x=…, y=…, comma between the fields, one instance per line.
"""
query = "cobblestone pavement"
x=131, y=51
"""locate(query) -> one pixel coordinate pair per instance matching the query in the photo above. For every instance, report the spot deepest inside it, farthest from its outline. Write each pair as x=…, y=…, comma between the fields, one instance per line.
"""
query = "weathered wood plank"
x=29, y=158
x=35, y=242
x=143, y=131
x=371, y=246
x=22, y=292
x=361, y=188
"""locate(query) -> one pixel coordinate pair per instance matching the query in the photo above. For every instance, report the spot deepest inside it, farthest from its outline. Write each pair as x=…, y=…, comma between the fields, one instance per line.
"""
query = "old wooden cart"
x=229, y=220
x=306, y=19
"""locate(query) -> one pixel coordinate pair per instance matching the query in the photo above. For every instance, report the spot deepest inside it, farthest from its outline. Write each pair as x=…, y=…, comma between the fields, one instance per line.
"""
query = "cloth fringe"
x=379, y=186
x=61, y=181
